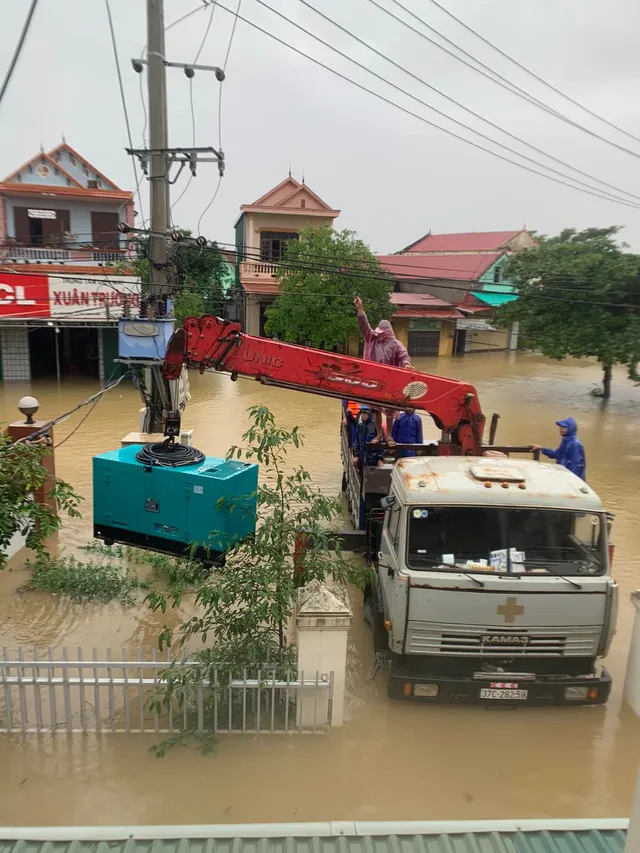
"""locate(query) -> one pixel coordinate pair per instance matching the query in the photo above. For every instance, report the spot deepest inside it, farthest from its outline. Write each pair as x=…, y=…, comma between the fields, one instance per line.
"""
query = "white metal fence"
x=58, y=691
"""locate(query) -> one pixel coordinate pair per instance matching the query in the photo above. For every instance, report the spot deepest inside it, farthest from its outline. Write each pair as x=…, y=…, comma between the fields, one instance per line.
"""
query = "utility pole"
x=159, y=164
x=156, y=162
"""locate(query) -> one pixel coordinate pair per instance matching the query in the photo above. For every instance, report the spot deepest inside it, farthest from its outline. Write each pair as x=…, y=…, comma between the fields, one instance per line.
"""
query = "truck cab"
x=493, y=584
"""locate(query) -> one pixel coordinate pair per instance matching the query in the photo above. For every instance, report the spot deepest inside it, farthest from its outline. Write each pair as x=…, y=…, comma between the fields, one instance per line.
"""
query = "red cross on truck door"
x=23, y=296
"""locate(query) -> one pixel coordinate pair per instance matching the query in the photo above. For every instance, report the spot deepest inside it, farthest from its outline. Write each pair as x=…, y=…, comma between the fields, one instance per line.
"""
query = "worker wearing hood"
x=381, y=344
x=570, y=453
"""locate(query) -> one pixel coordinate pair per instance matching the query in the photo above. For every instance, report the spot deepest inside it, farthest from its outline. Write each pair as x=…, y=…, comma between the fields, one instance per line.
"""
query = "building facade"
x=262, y=232
x=467, y=272
x=60, y=250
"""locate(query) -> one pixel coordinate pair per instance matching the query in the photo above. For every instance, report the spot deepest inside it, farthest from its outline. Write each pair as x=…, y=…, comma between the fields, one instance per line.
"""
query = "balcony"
x=259, y=278
x=38, y=253
x=260, y=269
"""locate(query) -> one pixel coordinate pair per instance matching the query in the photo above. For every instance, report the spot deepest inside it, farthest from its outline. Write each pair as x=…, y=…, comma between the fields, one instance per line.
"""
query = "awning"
x=495, y=299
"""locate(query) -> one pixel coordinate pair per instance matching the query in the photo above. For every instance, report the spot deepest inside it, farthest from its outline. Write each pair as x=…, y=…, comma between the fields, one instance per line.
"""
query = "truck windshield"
x=538, y=541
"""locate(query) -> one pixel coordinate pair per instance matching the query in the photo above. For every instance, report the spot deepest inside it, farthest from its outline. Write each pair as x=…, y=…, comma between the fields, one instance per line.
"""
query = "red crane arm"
x=211, y=343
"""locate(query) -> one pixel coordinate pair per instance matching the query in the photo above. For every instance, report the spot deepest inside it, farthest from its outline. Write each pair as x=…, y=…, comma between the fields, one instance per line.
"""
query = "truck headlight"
x=427, y=690
x=576, y=693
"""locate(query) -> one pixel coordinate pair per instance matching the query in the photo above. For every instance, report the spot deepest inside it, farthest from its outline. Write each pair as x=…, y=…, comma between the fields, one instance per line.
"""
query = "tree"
x=319, y=277
x=245, y=609
x=578, y=295
x=197, y=273
x=21, y=474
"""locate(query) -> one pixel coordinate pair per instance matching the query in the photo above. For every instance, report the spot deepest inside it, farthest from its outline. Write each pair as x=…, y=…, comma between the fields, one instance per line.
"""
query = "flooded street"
x=391, y=761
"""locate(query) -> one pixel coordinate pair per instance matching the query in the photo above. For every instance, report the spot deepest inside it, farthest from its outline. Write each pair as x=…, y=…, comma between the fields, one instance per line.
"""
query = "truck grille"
x=447, y=639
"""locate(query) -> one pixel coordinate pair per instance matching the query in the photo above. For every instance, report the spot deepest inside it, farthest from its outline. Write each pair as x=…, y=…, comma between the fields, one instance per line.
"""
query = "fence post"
x=633, y=833
x=323, y=618
x=632, y=678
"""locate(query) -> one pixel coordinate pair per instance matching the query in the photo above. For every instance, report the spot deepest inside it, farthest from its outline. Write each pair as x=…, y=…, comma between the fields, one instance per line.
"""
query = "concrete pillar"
x=19, y=429
x=323, y=617
x=400, y=326
x=633, y=833
x=447, y=334
x=514, y=330
x=632, y=678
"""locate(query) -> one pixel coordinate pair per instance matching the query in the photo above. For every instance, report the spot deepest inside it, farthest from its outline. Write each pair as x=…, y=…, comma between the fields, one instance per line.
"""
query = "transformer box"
x=210, y=503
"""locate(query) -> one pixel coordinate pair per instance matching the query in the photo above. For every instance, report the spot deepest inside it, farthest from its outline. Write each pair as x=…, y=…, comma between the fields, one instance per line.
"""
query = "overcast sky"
x=392, y=176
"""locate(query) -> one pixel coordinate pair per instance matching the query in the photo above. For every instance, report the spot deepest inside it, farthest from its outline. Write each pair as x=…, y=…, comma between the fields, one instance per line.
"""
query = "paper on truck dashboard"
x=499, y=560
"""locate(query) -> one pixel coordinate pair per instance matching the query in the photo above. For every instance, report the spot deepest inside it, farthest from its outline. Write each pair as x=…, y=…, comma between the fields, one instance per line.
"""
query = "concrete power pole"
x=159, y=286
x=156, y=162
x=158, y=144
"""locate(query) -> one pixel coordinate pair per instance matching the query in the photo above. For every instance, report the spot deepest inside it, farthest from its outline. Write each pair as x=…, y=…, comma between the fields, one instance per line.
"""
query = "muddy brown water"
x=391, y=761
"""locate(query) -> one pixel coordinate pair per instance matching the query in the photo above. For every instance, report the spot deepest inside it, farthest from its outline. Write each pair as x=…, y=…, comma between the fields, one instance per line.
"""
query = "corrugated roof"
x=495, y=299
x=540, y=841
x=447, y=267
x=470, y=241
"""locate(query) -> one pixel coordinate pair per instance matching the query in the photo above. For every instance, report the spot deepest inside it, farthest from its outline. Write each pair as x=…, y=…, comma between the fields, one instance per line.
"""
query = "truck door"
x=389, y=554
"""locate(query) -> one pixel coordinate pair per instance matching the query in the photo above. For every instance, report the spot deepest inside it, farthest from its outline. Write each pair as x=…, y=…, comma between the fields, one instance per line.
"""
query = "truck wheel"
x=375, y=620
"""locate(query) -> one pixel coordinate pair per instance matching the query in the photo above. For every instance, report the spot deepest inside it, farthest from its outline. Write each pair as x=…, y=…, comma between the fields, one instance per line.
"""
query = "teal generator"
x=161, y=502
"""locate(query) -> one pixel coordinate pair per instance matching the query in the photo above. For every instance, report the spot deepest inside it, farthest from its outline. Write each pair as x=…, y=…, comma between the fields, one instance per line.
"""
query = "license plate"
x=508, y=695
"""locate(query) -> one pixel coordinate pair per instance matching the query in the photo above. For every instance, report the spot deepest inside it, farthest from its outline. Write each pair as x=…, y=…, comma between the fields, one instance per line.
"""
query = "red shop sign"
x=23, y=296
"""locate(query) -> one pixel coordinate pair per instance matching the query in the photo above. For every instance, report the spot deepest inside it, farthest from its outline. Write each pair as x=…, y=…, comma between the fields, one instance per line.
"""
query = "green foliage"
x=572, y=292
x=319, y=277
x=84, y=580
x=245, y=609
x=21, y=474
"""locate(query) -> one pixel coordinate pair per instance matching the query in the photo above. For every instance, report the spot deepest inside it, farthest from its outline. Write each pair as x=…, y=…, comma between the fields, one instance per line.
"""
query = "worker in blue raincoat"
x=407, y=429
x=366, y=435
x=570, y=453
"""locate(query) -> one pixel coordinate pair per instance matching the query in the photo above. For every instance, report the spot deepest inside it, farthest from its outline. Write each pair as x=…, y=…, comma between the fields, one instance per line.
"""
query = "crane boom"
x=211, y=343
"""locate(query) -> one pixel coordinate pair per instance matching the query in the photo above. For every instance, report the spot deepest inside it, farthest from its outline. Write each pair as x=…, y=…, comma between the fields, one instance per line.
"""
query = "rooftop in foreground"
x=571, y=836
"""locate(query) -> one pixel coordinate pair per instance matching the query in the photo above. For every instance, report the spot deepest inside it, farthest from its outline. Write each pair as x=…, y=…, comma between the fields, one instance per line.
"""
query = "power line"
x=533, y=74
x=500, y=81
x=18, y=50
x=124, y=104
x=61, y=418
x=224, y=68
x=416, y=115
x=466, y=109
x=193, y=112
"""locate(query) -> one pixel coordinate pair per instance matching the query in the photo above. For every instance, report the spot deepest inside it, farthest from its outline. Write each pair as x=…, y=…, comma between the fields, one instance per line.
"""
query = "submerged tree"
x=246, y=607
x=22, y=474
x=320, y=275
x=578, y=295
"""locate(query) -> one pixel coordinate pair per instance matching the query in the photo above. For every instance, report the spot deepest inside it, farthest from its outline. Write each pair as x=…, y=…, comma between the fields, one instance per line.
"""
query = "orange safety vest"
x=353, y=408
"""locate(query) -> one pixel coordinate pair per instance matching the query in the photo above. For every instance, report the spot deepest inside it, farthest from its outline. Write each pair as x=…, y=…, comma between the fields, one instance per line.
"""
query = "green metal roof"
x=495, y=299
x=599, y=836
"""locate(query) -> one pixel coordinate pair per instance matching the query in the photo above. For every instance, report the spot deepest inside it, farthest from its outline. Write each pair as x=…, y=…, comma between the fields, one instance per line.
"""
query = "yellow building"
x=262, y=231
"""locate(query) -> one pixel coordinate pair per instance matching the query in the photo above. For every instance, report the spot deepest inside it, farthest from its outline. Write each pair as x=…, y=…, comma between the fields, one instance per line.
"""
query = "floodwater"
x=390, y=761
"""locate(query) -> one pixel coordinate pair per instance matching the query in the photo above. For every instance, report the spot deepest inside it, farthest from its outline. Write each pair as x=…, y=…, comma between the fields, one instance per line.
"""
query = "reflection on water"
x=391, y=760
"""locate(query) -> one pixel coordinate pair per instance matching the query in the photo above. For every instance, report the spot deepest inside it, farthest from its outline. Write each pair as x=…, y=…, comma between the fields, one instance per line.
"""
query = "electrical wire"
x=123, y=100
x=416, y=115
x=466, y=109
x=499, y=81
x=37, y=433
x=193, y=112
x=18, y=49
x=533, y=74
x=213, y=198
x=224, y=68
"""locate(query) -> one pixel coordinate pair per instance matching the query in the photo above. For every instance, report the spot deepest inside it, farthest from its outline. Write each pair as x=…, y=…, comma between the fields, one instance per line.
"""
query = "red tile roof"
x=448, y=267
x=421, y=305
x=472, y=241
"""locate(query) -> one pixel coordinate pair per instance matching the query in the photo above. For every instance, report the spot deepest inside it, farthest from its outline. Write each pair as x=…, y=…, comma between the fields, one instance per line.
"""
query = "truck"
x=491, y=575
